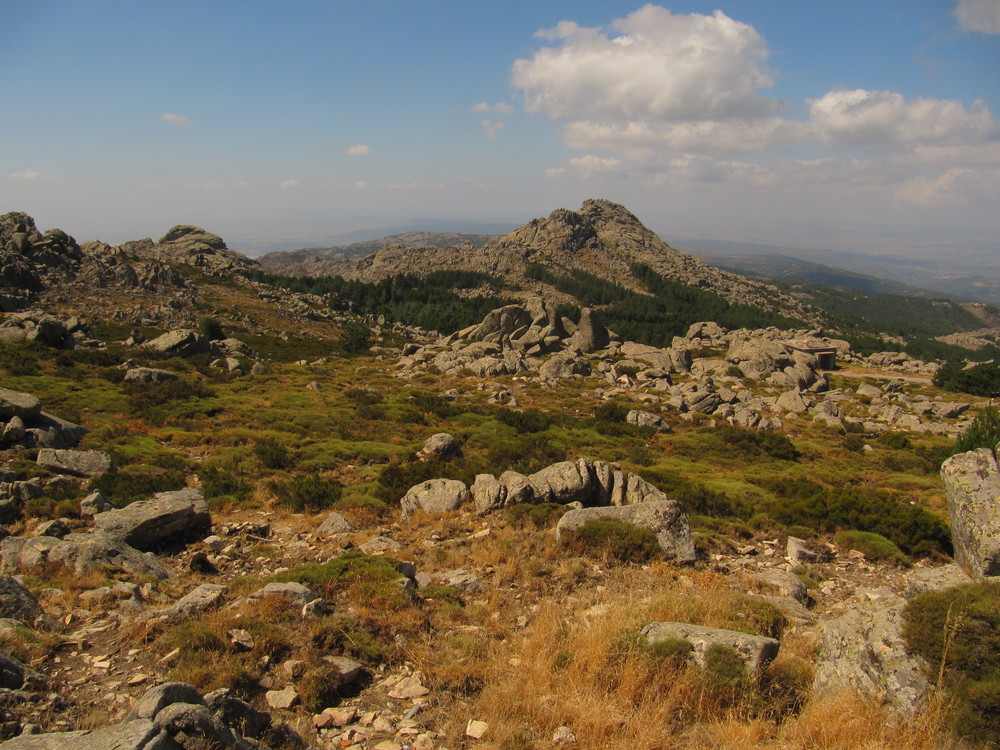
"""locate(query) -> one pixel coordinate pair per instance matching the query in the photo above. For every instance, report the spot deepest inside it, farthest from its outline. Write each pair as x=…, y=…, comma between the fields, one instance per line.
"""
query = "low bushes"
x=958, y=631
x=613, y=538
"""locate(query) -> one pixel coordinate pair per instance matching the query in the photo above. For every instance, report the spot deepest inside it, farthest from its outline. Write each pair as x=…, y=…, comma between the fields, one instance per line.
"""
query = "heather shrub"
x=616, y=539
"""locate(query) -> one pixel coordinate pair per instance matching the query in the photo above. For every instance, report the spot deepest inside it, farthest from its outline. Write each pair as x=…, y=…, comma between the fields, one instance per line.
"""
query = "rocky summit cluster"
x=234, y=514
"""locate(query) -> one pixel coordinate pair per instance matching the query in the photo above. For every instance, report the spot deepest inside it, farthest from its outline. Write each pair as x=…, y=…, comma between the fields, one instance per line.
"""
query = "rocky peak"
x=193, y=238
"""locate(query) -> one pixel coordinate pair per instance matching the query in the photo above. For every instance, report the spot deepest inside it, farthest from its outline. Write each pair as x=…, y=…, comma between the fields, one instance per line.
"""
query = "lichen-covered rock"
x=442, y=445
x=434, y=496
x=863, y=650
x=756, y=651
x=664, y=518
x=563, y=482
x=972, y=484
x=84, y=553
x=76, y=463
x=487, y=493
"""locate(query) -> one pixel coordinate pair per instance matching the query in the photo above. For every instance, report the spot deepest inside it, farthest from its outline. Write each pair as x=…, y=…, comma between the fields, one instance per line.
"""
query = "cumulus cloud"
x=978, y=15
x=288, y=184
x=500, y=108
x=28, y=174
x=492, y=128
x=651, y=65
x=585, y=167
x=862, y=116
x=175, y=119
x=359, y=149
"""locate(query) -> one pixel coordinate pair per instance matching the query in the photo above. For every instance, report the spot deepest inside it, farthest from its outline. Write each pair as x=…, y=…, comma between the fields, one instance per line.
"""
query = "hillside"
x=335, y=261
x=242, y=514
x=602, y=238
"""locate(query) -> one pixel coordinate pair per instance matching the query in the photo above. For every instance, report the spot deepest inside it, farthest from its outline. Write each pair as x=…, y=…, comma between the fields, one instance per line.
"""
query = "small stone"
x=475, y=729
x=407, y=688
x=241, y=639
x=563, y=736
x=281, y=699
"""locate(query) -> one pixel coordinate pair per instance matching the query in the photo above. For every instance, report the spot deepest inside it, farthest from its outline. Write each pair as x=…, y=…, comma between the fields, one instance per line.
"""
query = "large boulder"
x=664, y=518
x=563, y=482
x=178, y=343
x=166, y=518
x=863, y=650
x=972, y=484
x=434, y=496
x=756, y=651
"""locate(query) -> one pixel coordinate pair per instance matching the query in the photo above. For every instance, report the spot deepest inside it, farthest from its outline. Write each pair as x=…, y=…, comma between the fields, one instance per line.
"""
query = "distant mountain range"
x=873, y=273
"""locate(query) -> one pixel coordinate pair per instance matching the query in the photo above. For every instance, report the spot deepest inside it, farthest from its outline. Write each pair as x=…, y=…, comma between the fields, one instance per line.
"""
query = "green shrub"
x=362, y=397
x=369, y=580
x=982, y=432
x=756, y=443
x=961, y=627
x=355, y=338
x=211, y=329
x=224, y=480
x=307, y=493
x=676, y=649
x=341, y=634
x=23, y=358
x=540, y=514
x=128, y=484
x=895, y=440
x=152, y=401
x=724, y=666
x=616, y=539
x=525, y=420
x=875, y=547
x=271, y=453
x=448, y=594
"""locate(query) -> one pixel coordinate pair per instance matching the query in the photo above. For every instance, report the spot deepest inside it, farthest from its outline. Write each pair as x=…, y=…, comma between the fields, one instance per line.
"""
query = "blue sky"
x=845, y=124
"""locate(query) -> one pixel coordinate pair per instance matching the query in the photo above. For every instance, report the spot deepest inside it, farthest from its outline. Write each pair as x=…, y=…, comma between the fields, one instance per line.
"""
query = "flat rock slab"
x=165, y=518
x=664, y=518
x=756, y=651
x=17, y=404
x=972, y=484
x=131, y=735
x=77, y=463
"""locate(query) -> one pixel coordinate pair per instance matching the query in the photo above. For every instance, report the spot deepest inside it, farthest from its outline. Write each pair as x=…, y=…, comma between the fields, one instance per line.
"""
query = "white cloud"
x=719, y=137
x=359, y=149
x=175, y=119
x=288, y=185
x=28, y=174
x=500, y=108
x=659, y=66
x=360, y=184
x=492, y=128
x=585, y=167
x=978, y=15
x=862, y=116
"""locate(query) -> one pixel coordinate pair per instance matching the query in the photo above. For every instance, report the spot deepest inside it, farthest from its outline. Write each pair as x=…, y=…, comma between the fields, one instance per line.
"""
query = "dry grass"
x=578, y=663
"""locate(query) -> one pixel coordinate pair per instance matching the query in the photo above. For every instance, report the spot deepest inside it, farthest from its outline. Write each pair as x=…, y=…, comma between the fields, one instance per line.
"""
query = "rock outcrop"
x=863, y=650
x=972, y=485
